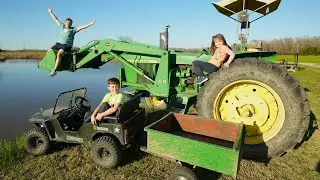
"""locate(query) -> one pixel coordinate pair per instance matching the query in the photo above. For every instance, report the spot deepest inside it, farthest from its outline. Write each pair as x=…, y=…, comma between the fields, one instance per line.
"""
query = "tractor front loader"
x=253, y=90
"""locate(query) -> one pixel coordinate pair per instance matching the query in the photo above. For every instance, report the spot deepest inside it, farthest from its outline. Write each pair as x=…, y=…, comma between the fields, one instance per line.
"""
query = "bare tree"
x=124, y=38
x=303, y=45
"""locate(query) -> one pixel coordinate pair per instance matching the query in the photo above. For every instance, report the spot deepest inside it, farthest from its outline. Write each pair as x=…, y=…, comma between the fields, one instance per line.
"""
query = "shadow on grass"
x=59, y=146
x=206, y=174
x=301, y=68
x=134, y=153
x=313, y=126
x=255, y=152
x=318, y=167
x=130, y=155
x=307, y=89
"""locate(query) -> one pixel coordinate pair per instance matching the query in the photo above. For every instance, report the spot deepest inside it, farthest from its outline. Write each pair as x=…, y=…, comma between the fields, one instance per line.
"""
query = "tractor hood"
x=42, y=115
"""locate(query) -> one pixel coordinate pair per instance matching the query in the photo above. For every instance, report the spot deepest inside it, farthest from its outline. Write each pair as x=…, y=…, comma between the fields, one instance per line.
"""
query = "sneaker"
x=53, y=73
x=202, y=79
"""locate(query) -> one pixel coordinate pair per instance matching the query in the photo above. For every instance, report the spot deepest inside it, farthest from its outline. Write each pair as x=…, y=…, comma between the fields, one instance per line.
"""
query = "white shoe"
x=53, y=73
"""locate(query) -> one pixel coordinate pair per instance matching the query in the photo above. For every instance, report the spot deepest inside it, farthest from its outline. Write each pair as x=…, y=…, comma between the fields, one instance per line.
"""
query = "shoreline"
x=28, y=54
x=39, y=54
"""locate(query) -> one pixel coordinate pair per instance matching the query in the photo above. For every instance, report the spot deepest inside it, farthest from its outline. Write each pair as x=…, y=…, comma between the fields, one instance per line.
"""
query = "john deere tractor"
x=253, y=90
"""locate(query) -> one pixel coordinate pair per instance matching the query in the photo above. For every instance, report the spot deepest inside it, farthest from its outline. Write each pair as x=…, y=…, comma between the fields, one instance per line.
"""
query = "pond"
x=24, y=89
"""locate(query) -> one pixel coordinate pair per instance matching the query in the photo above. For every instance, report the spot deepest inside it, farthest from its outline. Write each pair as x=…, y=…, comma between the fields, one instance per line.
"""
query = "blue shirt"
x=66, y=35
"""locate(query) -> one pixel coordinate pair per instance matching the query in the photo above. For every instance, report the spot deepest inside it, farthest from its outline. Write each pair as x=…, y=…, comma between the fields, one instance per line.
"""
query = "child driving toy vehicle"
x=109, y=104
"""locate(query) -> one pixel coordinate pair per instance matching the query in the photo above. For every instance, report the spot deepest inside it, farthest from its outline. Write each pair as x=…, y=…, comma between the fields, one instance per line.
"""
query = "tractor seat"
x=125, y=111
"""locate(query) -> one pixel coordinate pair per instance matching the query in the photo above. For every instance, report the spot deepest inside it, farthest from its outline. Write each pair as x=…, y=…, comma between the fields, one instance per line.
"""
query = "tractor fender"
x=99, y=134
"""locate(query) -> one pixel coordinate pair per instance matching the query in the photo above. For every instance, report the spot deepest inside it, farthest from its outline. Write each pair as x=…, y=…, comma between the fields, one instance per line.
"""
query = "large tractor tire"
x=264, y=96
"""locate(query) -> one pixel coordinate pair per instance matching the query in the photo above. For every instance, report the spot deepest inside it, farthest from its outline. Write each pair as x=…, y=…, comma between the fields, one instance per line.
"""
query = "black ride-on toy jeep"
x=65, y=123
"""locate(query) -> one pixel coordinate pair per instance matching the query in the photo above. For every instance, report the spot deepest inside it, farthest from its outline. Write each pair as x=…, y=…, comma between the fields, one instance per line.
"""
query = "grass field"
x=302, y=59
x=73, y=162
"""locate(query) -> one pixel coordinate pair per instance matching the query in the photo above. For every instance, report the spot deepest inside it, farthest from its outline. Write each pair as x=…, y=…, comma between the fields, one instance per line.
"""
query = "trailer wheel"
x=264, y=96
x=105, y=152
x=37, y=141
x=182, y=173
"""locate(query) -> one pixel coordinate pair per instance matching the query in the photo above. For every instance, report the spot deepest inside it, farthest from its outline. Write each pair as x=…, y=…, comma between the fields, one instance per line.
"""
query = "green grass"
x=74, y=162
x=11, y=151
x=302, y=59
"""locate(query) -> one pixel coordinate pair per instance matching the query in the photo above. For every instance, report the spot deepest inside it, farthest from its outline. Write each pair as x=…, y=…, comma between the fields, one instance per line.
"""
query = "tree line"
x=285, y=46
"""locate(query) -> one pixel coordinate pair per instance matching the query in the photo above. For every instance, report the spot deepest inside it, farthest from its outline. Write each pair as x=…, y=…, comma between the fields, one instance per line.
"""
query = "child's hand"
x=226, y=65
x=92, y=22
x=99, y=117
x=49, y=10
x=93, y=120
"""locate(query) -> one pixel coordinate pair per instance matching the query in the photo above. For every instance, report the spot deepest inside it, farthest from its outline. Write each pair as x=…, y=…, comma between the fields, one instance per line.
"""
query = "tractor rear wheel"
x=264, y=96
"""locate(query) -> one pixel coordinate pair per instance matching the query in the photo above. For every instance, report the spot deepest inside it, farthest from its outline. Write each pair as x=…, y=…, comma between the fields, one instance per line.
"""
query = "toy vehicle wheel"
x=105, y=152
x=182, y=173
x=37, y=141
x=266, y=98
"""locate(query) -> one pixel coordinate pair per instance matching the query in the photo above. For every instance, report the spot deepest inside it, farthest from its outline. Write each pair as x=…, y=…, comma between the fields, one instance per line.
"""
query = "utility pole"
x=24, y=45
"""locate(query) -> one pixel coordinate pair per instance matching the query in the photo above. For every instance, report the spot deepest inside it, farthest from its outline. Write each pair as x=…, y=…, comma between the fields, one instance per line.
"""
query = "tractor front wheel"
x=264, y=96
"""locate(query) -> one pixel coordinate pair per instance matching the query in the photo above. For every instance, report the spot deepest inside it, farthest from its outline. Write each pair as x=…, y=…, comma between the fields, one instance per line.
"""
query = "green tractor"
x=253, y=90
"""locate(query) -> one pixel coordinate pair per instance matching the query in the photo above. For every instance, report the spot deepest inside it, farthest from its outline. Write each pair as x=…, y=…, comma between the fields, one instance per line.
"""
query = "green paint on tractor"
x=167, y=75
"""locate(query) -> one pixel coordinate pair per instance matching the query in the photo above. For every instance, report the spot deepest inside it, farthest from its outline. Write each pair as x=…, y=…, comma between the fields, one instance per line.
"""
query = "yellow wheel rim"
x=255, y=104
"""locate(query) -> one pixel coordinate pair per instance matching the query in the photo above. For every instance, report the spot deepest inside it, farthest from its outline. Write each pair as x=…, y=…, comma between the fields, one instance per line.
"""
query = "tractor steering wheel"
x=82, y=104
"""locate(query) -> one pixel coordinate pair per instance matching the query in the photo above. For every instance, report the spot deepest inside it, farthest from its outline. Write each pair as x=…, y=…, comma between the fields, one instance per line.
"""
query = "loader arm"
x=126, y=52
x=164, y=74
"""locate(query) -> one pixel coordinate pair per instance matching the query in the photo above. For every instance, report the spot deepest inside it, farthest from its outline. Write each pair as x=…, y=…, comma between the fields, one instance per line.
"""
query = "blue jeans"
x=200, y=66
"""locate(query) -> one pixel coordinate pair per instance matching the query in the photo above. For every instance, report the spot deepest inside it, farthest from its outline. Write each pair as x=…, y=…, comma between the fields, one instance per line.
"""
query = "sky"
x=28, y=25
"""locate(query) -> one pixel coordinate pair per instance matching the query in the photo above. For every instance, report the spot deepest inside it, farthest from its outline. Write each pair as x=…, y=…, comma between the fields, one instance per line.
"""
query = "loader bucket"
x=47, y=63
x=68, y=61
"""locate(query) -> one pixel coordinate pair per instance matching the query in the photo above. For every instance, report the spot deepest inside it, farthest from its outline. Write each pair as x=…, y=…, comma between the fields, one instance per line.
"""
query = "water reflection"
x=24, y=89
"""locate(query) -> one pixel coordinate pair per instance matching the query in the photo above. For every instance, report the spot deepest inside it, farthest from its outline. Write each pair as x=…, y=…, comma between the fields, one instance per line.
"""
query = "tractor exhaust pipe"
x=164, y=39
